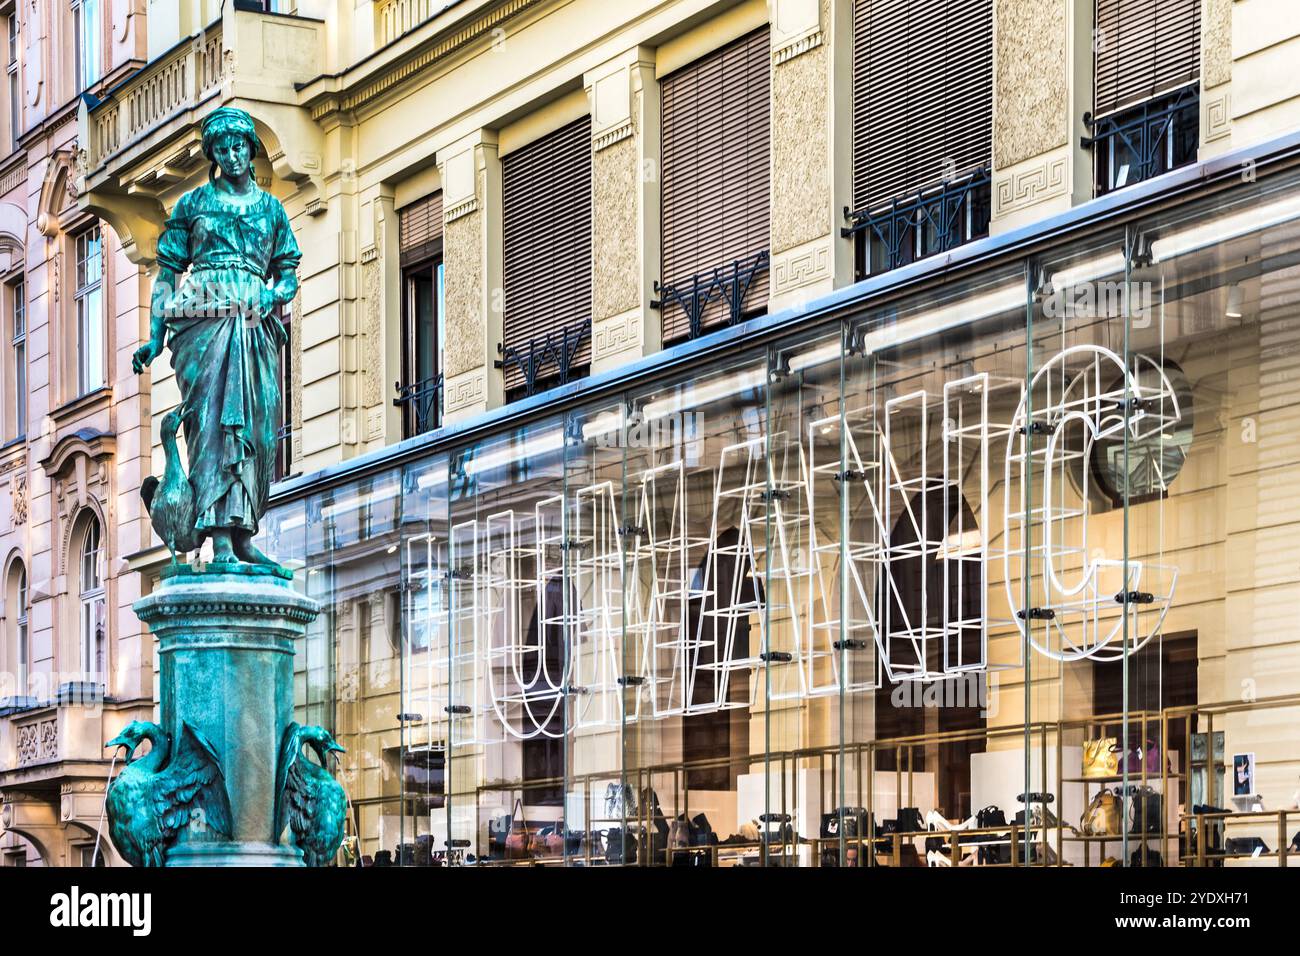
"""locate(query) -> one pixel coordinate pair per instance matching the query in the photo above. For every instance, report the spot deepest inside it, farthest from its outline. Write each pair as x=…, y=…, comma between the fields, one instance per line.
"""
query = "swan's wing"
x=192, y=780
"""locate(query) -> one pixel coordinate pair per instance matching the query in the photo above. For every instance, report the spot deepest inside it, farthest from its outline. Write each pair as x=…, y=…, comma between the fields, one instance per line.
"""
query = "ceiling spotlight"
x=1233, y=311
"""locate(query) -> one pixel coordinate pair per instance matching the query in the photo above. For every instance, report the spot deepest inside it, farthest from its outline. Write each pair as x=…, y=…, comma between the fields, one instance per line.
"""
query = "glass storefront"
x=1003, y=572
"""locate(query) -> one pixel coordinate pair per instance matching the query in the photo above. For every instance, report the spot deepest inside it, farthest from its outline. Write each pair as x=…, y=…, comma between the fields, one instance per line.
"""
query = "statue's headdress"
x=228, y=119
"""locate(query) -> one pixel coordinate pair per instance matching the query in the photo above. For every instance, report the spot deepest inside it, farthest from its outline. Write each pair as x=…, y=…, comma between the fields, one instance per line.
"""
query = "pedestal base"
x=226, y=639
x=233, y=854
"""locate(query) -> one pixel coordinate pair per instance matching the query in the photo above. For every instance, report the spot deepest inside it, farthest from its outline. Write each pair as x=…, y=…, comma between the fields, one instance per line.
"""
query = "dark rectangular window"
x=546, y=253
x=419, y=393
x=922, y=128
x=715, y=190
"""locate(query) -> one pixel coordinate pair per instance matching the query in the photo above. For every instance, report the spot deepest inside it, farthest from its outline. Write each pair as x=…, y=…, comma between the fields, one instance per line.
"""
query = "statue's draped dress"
x=226, y=358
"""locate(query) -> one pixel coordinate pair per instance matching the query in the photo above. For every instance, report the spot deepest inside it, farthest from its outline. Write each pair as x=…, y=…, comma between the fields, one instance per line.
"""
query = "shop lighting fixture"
x=961, y=312
x=820, y=355
x=604, y=424
x=1112, y=263
x=383, y=493
x=1224, y=228
x=1233, y=308
x=695, y=394
x=530, y=448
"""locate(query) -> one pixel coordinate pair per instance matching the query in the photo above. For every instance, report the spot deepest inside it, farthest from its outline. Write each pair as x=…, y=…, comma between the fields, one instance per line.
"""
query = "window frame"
x=413, y=390
x=92, y=602
x=91, y=354
x=16, y=333
x=11, y=65
x=88, y=38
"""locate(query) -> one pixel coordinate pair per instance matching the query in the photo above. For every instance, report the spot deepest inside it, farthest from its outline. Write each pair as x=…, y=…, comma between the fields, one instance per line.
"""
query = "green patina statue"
x=308, y=798
x=163, y=791
x=227, y=259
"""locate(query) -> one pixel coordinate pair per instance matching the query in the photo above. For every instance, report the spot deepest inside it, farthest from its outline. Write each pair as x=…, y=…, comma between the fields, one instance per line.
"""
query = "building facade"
x=797, y=424
x=76, y=445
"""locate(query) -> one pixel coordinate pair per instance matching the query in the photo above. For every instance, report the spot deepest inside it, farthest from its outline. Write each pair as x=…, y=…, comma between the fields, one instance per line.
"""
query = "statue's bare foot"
x=223, y=551
x=245, y=550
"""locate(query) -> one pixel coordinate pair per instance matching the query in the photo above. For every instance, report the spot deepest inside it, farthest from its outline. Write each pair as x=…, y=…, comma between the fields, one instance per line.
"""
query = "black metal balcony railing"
x=934, y=221
x=421, y=404
x=729, y=284
x=546, y=358
x=1149, y=139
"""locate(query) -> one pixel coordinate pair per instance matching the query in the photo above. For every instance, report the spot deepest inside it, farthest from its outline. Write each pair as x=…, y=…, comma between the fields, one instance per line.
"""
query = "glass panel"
x=1207, y=475
x=932, y=388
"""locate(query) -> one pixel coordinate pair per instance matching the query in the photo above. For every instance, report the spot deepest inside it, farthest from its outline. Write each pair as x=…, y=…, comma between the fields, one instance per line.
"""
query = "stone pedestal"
x=226, y=644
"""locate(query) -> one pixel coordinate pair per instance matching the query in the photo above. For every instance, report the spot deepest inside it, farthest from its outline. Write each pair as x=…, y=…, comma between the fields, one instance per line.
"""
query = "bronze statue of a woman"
x=227, y=258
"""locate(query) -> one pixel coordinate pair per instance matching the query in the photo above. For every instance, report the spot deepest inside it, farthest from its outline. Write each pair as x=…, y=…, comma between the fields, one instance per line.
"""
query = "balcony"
x=141, y=143
x=393, y=18
x=68, y=728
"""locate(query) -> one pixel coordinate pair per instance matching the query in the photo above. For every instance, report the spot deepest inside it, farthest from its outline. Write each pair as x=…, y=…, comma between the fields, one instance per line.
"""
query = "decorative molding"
x=1216, y=113
x=1045, y=179
x=462, y=208
x=617, y=334
x=38, y=742
x=372, y=332
x=18, y=489
x=369, y=254
x=466, y=390
x=14, y=176
x=802, y=265
x=792, y=47
x=419, y=62
x=615, y=134
x=96, y=445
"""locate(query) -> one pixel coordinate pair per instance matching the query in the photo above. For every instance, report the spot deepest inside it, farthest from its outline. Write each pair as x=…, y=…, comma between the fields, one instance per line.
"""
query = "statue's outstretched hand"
x=145, y=355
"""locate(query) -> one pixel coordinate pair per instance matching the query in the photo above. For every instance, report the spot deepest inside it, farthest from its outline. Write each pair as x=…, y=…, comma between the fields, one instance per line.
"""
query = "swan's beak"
x=118, y=742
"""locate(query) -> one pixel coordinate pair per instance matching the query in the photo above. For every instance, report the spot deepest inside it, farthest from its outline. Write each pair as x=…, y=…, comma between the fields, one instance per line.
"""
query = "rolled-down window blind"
x=1143, y=48
x=922, y=95
x=714, y=191
x=546, y=241
x=419, y=229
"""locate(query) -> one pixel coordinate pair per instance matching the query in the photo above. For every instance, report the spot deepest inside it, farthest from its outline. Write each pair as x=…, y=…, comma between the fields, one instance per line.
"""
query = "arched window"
x=93, y=603
x=16, y=600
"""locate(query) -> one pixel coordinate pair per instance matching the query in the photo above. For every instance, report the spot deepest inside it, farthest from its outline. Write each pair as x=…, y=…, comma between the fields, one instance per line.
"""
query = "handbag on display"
x=1144, y=815
x=910, y=820
x=620, y=802
x=498, y=830
x=552, y=840
x=1147, y=756
x=1153, y=858
x=1102, y=817
x=776, y=828
x=620, y=846
x=1100, y=757
x=1245, y=846
x=519, y=841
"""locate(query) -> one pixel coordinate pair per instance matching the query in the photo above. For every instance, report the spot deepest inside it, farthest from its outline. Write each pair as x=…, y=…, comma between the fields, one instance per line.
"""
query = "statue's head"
x=132, y=735
x=321, y=741
x=230, y=141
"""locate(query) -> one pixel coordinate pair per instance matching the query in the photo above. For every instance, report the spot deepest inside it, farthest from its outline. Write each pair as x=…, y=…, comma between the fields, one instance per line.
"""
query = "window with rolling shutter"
x=1143, y=48
x=714, y=188
x=922, y=127
x=546, y=251
x=419, y=229
x=922, y=95
x=419, y=237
